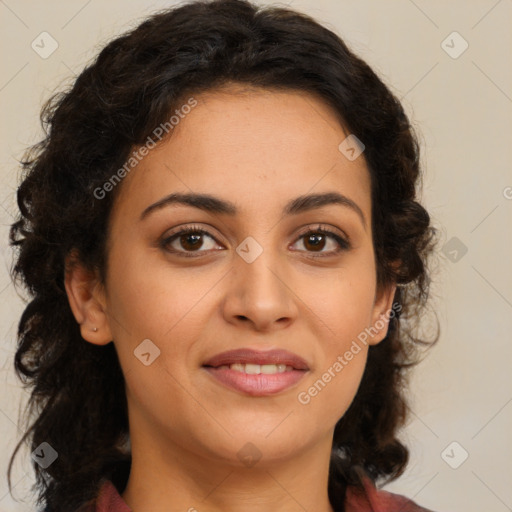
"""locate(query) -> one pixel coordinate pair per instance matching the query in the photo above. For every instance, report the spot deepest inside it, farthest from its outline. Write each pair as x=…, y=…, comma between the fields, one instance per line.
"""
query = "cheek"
x=330, y=390
x=169, y=310
x=148, y=300
x=342, y=312
x=342, y=304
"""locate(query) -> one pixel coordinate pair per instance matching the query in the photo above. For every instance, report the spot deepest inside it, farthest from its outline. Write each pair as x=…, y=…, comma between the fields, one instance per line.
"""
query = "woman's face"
x=254, y=280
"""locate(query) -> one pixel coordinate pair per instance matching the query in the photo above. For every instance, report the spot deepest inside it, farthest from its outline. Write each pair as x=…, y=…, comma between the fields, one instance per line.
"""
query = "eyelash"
x=344, y=244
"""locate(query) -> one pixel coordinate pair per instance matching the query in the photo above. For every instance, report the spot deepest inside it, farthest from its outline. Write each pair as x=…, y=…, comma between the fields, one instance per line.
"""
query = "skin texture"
x=258, y=149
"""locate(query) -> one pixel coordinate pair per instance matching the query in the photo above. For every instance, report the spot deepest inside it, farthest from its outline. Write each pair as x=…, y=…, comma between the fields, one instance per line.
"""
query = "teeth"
x=274, y=368
x=251, y=369
x=255, y=369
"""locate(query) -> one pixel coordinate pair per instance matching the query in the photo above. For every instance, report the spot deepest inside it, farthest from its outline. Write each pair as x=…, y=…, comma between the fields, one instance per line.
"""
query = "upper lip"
x=247, y=355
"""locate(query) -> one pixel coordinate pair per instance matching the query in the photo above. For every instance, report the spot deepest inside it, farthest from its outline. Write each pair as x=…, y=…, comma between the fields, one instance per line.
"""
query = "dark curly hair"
x=113, y=106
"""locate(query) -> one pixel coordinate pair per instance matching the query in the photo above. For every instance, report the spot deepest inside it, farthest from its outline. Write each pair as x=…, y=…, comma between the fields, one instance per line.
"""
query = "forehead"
x=256, y=147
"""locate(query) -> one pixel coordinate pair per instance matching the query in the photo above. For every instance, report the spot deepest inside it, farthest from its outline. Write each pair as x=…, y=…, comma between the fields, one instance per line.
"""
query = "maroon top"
x=372, y=500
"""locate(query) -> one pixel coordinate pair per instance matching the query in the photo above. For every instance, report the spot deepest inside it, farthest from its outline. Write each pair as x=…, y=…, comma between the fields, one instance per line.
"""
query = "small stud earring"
x=95, y=329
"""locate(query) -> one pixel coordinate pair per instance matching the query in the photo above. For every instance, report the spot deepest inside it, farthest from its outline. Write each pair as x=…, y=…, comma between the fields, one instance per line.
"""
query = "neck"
x=176, y=480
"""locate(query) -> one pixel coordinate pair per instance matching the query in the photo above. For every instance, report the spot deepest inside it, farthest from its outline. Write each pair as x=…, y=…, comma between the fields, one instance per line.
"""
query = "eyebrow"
x=214, y=204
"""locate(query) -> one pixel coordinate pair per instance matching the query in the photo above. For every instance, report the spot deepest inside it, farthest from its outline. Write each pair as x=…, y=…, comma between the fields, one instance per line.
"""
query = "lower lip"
x=262, y=384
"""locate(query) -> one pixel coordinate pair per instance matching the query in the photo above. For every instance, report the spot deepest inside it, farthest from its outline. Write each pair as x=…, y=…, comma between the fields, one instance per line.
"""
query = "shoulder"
x=109, y=499
x=374, y=500
x=369, y=500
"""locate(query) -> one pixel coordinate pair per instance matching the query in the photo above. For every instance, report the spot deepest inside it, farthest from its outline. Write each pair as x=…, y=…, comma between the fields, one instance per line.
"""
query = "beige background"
x=462, y=107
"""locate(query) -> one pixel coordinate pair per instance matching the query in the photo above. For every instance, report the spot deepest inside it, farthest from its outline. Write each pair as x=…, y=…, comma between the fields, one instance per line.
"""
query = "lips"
x=249, y=356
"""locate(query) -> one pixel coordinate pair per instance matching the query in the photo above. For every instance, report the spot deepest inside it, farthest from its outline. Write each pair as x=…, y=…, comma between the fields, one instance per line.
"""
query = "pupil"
x=194, y=244
x=316, y=240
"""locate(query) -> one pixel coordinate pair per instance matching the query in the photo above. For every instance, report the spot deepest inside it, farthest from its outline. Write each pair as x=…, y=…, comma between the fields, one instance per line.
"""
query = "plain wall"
x=461, y=107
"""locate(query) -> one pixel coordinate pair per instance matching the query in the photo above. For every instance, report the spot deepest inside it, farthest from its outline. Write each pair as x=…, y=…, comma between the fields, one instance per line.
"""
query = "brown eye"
x=188, y=241
x=191, y=241
x=316, y=240
x=195, y=241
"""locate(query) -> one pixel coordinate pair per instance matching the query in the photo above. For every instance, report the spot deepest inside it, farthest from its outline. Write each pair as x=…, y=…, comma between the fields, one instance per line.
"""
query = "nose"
x=259, y=294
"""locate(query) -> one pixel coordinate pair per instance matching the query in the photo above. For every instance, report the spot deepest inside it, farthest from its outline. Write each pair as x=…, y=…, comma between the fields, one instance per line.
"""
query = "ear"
x=87, y=301
x=382, y=311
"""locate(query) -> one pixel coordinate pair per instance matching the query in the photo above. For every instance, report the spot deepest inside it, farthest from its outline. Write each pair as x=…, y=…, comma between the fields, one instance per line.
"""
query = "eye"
x=190, y=241
x=315, y=240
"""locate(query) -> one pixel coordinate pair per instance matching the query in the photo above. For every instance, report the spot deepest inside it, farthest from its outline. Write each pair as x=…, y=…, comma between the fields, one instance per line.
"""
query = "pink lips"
x=259, y=384
x=247, y=355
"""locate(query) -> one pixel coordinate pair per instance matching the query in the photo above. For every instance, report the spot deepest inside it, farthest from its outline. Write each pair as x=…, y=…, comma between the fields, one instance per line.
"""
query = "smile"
x=256, y=380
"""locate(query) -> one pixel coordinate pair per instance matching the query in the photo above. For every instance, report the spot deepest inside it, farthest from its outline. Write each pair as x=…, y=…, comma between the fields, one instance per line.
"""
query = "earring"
x=94, y=329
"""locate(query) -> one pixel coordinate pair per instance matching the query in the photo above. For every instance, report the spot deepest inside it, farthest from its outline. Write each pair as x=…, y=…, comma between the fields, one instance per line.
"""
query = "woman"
x=221, y=236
